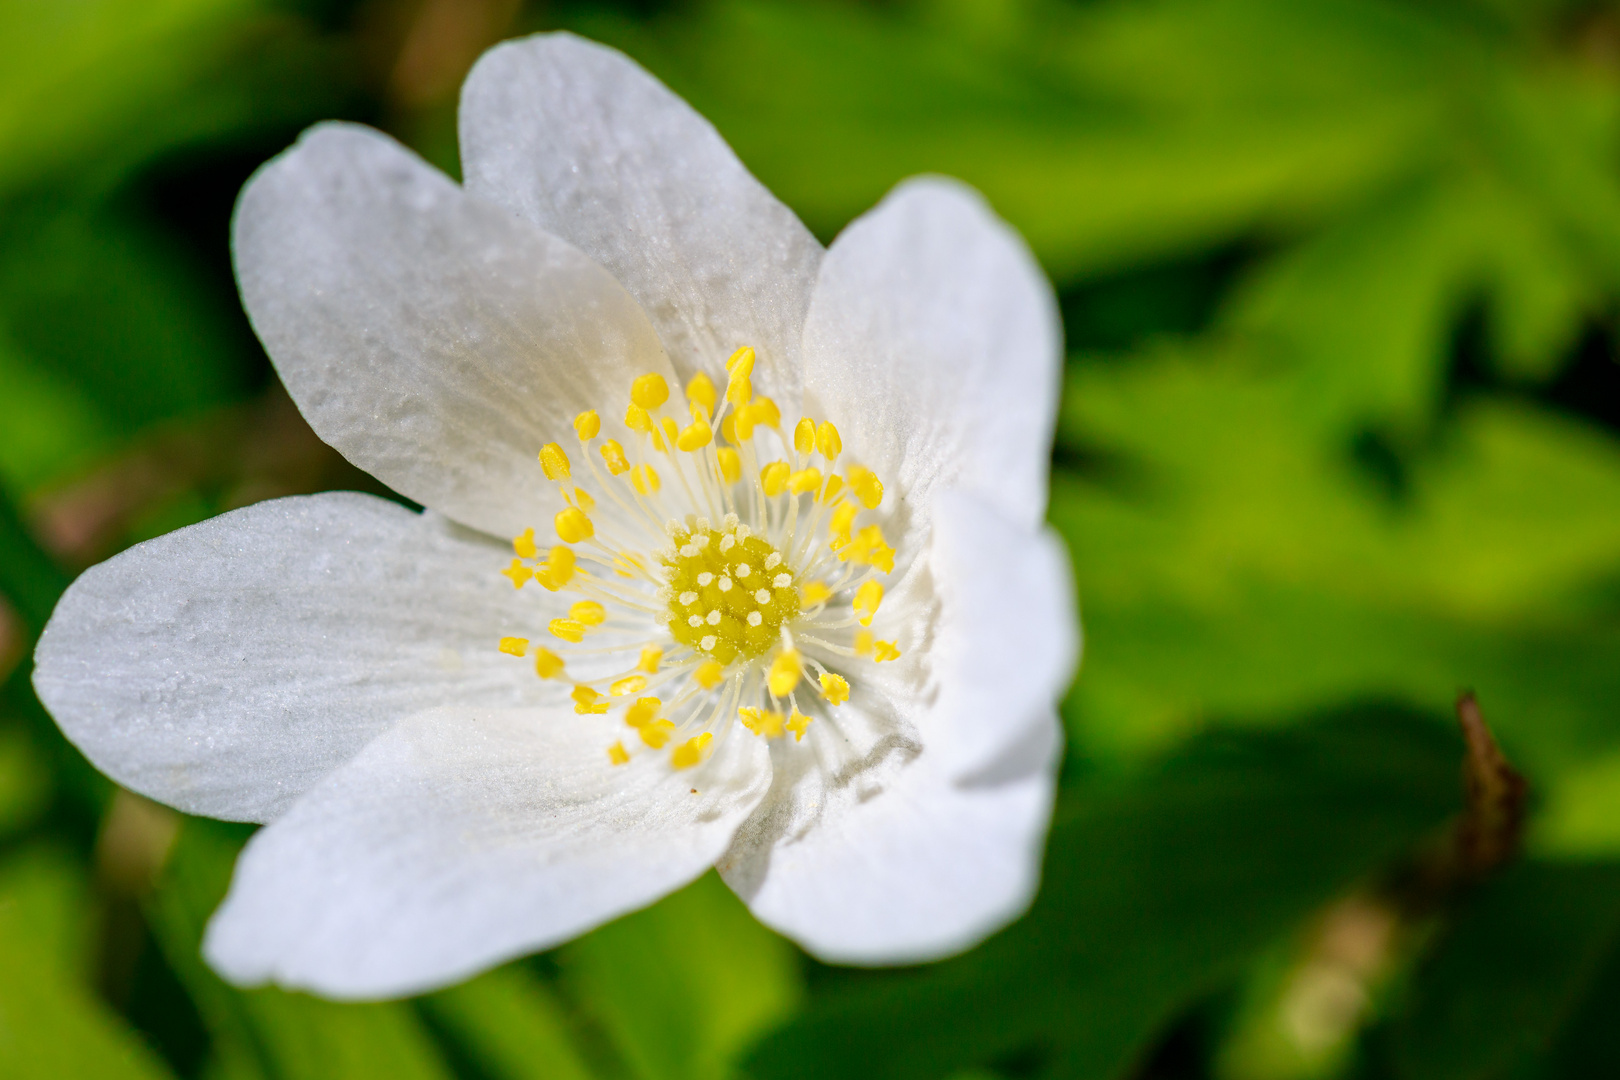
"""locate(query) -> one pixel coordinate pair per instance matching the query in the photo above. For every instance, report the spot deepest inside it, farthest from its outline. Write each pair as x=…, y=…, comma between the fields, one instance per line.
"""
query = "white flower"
x=699, y=685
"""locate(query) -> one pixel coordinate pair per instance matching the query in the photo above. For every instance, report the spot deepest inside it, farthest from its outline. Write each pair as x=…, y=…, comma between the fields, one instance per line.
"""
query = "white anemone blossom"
x=652, y=621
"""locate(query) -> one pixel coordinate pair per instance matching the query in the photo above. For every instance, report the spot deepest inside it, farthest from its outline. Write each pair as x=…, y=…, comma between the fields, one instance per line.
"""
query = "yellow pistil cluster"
x=708, y=570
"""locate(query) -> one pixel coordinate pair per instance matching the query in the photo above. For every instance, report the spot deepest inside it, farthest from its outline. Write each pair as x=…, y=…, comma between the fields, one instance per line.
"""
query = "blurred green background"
x=1340, y=436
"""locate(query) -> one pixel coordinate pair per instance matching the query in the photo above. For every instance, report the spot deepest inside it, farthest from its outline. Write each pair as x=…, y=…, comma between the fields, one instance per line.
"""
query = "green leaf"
x=512, y=1025
x=289, y=1036
x=25, y=779
x=686, y=985
x=1157, y=890
x=52, y=1025
x=1509, y=975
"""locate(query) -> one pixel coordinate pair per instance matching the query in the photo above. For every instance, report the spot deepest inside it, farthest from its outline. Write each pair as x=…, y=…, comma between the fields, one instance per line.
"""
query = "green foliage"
x=1339, y=425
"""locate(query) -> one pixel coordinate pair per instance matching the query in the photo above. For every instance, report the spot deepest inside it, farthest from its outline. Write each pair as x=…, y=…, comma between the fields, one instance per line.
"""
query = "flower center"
x=729, y=592
x=694, y=628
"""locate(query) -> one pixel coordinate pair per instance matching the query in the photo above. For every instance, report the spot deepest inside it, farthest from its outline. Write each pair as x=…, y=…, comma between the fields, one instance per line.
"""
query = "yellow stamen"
x=671, y=431
x=514, y=646
x=835, y=688
x=869, y=548
x=838, y=528
x=567, y=629
x=709, y=674
x=523, y=544
x=692, y=751
x=700, y=393
x=785, y=672
x=884, y=650
x=630, y=684
x=867, y=599
x=740, y=387
x=814, y=592
x=638, y=419
x=588, y=613
x=618, y=754
x=587, y=424
x=804, y=480
x=645, y=480
x=559, y=568
x=613, y=454
x=547, y=664
x=649, y=391
x=695, y=436
x=573, y=526
x=866, y=486
x=761, y=721
x=588, y=701
x=554, y=462
x=730, y=464
x=764, y=411
x=651, y=657
x=863, y=642
x=773, y=478
x=744, y=355
x=804, y=435
x=519, y=574
x=835, y=485
x=797, y=723
x=655, y=733
x=583, y=500
x=827, y=440
x=643, y=712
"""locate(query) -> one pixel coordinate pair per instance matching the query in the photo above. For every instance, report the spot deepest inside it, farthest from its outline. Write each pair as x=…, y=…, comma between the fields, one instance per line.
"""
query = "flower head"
x=732, y=555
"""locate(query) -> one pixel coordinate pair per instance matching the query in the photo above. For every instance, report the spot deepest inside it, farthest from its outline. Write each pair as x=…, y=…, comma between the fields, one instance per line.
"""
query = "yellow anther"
x=567, y=629
x=700, y=394
x=804, y=435
x=867, y=599
x=835, y=485
x=804, y=480
x=547, y=664
x=655, y=733
x=864, y=642
x=797, y=724
x=649, y=391
x=588, y=701
x=519, y=574
x=583, y=500
x=884, y=650
x=573, y=526
x=523, y=544
x=587, y=424
x=692, y=751
x=866, y=486
x=645, y=480
x=730, y=464
x=651, y=657
x=630, y=684
x=671, y=431
x=618, y=754
x=740, y=387
x=869, y=548
x=709, y=674
x=774, y=477
x=554, y=462
x=559, y=568
x=764, y=411
x=761, y=721
x=812, y=593
x=643, y=712
x=835, y=688
x=742, y=425
x=728, y=429
x=588, y=613
x=785, y=672
x=827, y=440
x=695, y=436
x=613, y=454
x=838, y=528
x=638, y=419
x=514, y=646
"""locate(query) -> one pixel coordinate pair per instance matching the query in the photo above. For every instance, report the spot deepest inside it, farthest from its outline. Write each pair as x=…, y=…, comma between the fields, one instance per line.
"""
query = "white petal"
x=933, y=342
x=225, y=668
x=463, y=838
x=898, y=864
x=576, y=138
x=1006, y=639
x=432, y=339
